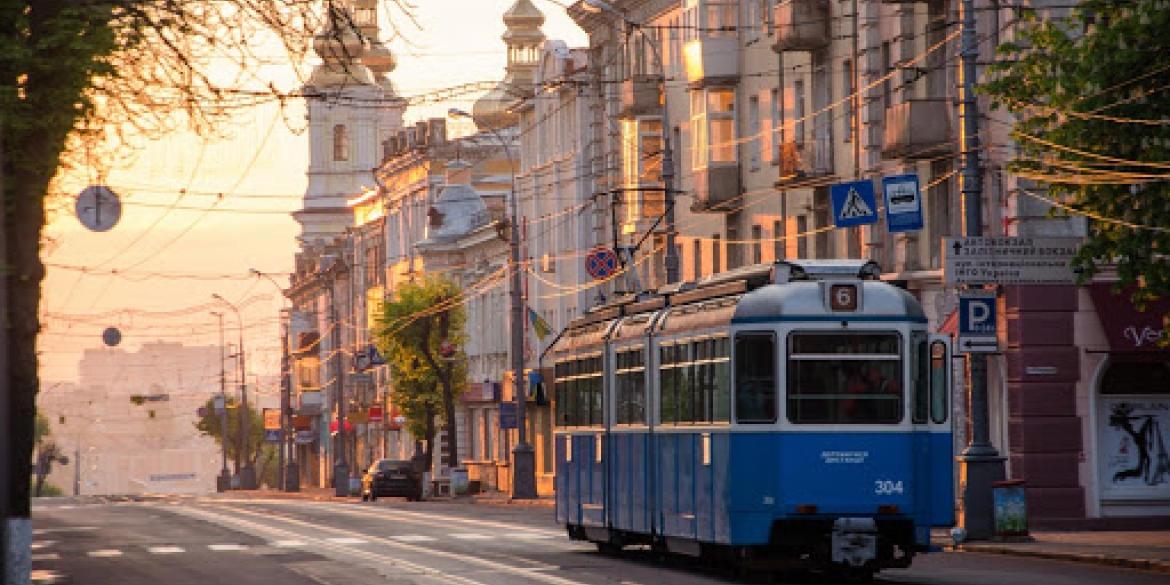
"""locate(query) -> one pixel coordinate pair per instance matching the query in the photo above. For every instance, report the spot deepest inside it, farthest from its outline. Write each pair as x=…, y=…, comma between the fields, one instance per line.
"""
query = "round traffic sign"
x=112, y=336
x=602, y=263
x=98, y=208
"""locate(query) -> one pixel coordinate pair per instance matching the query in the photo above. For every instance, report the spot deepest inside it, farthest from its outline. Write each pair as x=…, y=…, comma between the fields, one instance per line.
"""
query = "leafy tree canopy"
x=1093, y=126
x=409, y=334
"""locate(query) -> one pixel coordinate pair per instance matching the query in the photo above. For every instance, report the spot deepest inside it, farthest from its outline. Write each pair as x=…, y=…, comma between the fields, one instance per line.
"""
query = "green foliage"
x=1093, y=127
x=47, y=490
x=41, y=428
x=211, y=426
x=409, y=334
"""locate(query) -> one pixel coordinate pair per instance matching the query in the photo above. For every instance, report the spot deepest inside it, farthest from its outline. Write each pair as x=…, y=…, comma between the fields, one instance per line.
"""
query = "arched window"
x=340, y=142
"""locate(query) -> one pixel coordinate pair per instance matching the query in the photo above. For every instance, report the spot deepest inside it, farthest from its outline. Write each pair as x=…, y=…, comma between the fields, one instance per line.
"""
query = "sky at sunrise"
x=197, y=216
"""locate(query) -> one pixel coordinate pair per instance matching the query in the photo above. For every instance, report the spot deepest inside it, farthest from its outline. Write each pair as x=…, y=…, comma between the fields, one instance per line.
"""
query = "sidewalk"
x=1148, y=550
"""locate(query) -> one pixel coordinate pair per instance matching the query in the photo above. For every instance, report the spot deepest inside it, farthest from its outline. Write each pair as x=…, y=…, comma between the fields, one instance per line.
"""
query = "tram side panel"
x=631, y=491
x=753, y=486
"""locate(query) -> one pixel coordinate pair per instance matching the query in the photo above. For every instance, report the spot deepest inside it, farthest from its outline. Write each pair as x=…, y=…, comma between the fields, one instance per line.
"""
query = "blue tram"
x=791, y=415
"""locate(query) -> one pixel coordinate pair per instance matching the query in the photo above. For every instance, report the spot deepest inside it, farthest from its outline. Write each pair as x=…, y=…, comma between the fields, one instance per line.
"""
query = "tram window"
x=630, y=388
x=668, y=400
x=852, y=378
x=685, y=381
x=722, y=380
x=755, y=378
x=940, y=364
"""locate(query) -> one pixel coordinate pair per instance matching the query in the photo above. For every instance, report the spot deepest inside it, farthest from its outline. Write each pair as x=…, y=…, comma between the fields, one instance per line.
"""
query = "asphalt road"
x=176, y=541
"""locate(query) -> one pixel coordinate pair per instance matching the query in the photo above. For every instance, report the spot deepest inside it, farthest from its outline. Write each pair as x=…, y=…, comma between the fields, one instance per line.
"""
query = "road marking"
x=227, y=547
x=46, y=557
x=470, y=536
x=532, y=536
x=43, y=544
x=347, y=540
x=104, y=553
x=413, y=538
x=289, y=543
x=69, y=529
x=164, y=550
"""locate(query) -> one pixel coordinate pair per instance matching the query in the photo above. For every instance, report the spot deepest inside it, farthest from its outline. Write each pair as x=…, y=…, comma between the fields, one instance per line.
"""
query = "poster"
x=1134, y=438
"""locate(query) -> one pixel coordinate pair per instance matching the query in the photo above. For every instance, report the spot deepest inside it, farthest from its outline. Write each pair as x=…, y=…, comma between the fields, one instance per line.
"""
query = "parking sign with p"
x=977, y=322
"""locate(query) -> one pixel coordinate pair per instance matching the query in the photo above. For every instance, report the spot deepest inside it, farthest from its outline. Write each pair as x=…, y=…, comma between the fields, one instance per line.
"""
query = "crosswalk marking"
x=105, y=553
x=471, y=536
x=164, y=550
x=346, y=540
x=289, y=543
x=43, y=544
x=226, y=547
x=533, y=536
x=46, y=557
x=413, y=538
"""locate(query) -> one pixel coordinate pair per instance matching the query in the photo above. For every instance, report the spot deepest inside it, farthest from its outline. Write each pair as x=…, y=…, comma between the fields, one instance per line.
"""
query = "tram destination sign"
x=1024, y=260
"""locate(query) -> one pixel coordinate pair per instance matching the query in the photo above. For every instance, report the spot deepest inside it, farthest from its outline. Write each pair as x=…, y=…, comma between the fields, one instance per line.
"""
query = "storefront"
x=1130, y=408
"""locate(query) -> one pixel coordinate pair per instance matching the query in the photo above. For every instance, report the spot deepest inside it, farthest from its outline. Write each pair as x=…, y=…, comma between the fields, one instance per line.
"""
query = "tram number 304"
x=886, y=486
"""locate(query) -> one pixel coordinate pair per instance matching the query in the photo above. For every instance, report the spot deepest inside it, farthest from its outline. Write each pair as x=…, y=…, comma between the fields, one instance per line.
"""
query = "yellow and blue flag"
x=539, y=325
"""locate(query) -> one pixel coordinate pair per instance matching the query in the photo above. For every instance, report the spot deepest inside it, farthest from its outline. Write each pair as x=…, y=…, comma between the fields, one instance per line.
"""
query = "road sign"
x=977, y=322
x=271, y=435
x=1027, y=260
x=854, y=204
x=903, y=203
x=602, y=263
x=111, y=336
x=509, y=417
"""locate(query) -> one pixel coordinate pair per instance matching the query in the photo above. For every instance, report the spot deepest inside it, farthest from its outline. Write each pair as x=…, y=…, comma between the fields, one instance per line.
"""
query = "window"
x=712, y=127
x=798, y=110
x=642, y=149
x=775, y=135
x=695, y=382
x=757, y=244
x=697, y=248
x=802, y=236
x=630, y=387
x=755, y=378
x=579, y=392
x=851, y=378
x=340, y=142
x=848, y=88
x=778, y=241
x=716, y=254
x=754, y=132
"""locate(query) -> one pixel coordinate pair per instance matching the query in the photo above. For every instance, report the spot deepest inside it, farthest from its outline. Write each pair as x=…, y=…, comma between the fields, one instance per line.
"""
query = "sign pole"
x=980, y=463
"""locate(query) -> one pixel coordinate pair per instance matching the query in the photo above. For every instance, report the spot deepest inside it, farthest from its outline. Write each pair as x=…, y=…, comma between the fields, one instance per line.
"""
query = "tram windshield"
x=845, y=378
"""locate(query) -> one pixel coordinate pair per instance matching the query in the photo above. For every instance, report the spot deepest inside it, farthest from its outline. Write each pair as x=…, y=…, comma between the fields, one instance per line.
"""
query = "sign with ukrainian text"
x=1010, y=261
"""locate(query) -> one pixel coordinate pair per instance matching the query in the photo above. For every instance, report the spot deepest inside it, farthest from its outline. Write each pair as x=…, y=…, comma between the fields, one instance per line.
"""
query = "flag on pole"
x=539, y=325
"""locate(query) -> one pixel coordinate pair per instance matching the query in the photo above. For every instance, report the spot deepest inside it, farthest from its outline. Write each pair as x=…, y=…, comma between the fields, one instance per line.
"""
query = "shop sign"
x=1126, y=328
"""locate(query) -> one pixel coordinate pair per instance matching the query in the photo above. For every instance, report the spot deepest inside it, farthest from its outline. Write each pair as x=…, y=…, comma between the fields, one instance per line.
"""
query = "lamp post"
x=224, y=481
x=670, y=258
x=247, y=472
x=340, y=467
x=523, y=457
x=289, y=472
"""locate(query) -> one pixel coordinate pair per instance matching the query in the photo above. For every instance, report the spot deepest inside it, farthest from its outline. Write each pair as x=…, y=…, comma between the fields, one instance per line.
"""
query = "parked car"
x=392, y=478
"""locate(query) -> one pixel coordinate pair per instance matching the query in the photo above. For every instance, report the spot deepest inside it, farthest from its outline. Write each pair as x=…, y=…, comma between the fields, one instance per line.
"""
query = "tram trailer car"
x=792, y=415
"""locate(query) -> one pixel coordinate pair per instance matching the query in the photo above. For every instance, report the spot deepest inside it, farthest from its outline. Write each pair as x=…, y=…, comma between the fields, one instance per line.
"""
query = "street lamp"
x=340, y=467
x=670, y=259
x=247, y=472
x=523, y=457
x=289, y=473
x=224, y=482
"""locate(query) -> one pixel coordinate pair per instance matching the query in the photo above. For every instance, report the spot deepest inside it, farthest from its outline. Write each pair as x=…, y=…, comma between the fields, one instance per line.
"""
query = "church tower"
x=352, y=107
x=524, y=39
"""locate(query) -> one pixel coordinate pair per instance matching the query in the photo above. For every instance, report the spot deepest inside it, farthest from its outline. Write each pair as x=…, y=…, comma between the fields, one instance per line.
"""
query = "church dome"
x=523, y=39
x=379, y=58
x=457, y=211
x=523, y=14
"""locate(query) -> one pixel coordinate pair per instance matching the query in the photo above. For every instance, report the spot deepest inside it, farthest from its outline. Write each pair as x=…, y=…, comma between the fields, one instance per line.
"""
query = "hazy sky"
x=197, y=216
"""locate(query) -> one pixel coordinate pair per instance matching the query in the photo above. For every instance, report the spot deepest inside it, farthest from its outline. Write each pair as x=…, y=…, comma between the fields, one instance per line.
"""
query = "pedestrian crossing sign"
x=854, y=204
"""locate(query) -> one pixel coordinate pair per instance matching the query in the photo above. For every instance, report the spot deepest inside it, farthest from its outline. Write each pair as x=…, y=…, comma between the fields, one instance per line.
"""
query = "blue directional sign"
x=272, y=435
x=509, y=416
x=854, y=204
x=977, y=322
x=903, y=203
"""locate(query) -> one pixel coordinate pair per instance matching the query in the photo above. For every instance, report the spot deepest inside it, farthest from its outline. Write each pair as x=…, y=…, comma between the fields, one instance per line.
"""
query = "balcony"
x=800, y=161
x=641, y=95
x=712, y=61
x=919, y=129
x=717, y=189
x=801, y=25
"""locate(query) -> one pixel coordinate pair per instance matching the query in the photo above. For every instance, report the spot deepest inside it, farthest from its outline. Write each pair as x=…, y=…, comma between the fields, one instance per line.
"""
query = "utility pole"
x=340, y=467
x=247, y=472
x=980, y=463
x=5, y=381
x=224, y=482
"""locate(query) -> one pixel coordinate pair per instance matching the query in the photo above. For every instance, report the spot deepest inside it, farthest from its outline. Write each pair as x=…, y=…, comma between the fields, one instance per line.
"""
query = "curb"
x=1098, y=559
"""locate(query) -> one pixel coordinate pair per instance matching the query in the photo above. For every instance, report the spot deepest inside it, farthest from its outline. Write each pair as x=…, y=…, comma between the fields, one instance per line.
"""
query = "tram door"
x=930, y=412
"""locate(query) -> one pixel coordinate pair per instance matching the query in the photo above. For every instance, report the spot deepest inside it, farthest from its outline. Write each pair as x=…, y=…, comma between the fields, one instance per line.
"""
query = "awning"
x=950, y=325
x=1127, y=329
x=333, y=426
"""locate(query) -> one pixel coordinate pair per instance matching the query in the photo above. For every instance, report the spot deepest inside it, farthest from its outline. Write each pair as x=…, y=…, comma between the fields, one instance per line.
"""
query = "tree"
x=420, y=325
x=93, y=72
x=1089, y=95
x=260, y=453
